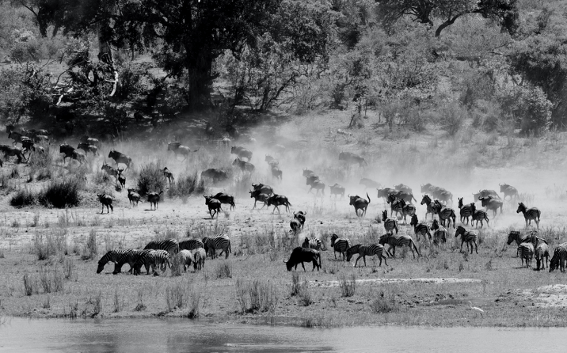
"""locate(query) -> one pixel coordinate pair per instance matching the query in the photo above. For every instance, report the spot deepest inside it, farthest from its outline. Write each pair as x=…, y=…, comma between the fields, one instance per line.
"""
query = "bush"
x=61, y=193
x=452, y=118
x=224, y=270
x=185, y=186
x=90, y=250
x=30, y=285
x=23, y=197
x=51, y=280
x=347, y=284
x=256, y=296
x=151, y=179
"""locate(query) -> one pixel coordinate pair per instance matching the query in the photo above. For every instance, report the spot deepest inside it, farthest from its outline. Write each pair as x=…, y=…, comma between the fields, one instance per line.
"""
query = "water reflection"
x=137, y=335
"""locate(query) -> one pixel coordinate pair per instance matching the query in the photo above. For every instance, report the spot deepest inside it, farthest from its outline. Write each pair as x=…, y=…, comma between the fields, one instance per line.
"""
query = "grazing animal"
x=295, y=226
x=220, y=242
x=185, y=258
x=510, y=191
x=169, y=245
x=10, y=151
x=133, y=196
x=492, y=204
x=359, y=204
x=111, y=171
x=243, y=165
x=430, y=209
x=337, y=189
x=484, y=193
x=526, y=251
x=366, y=250
x=190, y=244
x=559, y=258
x=276, y=172
x=225, y=199
x=479, y=216
x=118, y=257
x=214, y=206
x=151, y=259
x=445, y=214
x=258, y=196
x=398, y=240
x=88, y=148
x=470, y=237
x=264, y=189
x=541, y=253
x=200, y=256
x=121, y=179
x=529, y=214
x=439, y=233
x=70, y=152
x=465, y=211
x=312, y=243
x=351, y=158
x=300, y=216
x=404, y=188
x=216, y=175
x=318, y=186
x=339, y=245
x=278, y=200
x=389, y=223
x=178, y=148
x=241, y=152
x=120, y=158
x=168, y=175
x=369, y=183
x=420, y=229
x=396, y=204
x=106, y=200
x=519, y=238
x=385, y=192
x=300, y=255
x=153, y=199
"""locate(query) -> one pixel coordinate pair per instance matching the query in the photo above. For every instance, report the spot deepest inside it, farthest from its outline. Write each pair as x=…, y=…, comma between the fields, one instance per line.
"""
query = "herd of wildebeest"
x=437, y=200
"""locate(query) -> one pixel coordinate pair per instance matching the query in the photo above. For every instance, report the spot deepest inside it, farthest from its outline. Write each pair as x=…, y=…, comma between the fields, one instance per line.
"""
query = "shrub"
x=30, y=285
x=69, y=269
x=224, y=270
x=175, y=296
x=50, y=245
x=51, y=280
x=90, y=251
x=452, y=118
x=256, y=296
x=347, y=284
x=385, y=303
x=151, y=179
x=61, y=193
x=185, y=186
x=23, y=197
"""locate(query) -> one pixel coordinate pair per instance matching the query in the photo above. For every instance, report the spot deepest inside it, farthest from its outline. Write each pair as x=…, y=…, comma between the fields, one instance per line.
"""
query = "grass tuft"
x=347, y=284
x=151, y=179
x=61, y=193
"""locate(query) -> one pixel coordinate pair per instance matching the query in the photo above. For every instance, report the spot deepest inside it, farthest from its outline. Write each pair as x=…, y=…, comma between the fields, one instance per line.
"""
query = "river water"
x=154, y=335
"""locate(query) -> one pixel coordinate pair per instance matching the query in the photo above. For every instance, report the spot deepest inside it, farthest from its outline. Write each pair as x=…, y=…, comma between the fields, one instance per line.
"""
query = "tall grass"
x=45, y=246
x=23, y=197
x=51, y=280
x=185, y=186
x=61, y=193
x=151, y=179
x=347, y=284
x=90, y=251
x=256, y=296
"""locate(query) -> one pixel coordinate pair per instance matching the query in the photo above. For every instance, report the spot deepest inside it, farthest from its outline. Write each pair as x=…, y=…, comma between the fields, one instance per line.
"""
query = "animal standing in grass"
x=169, y=245
x=394, y=241
x=168, y=175
x=106, y=200
x=278, y=200
x=359, y=204
x=118, y=257
x=492, y=204
x=312, y=243
x=420, y=229
x=120, y=158
x=469, y=237
x=366, y=250
x=440, y=233
x=529, y=214
x=466, y=211
x=339, y=245
x=336, y=190
x=200, y=256
x=214, y=206
x=300, y=255
x=541, y=254
x=133, y=197
x=430, y=206
x=389, y=224
x=559, y=258
x=526, y=251
x=154, y=198
x=220, y=242
x=225, y=199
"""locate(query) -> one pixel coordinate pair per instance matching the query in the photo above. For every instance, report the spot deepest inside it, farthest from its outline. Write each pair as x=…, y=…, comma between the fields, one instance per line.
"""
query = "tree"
x=504, y=12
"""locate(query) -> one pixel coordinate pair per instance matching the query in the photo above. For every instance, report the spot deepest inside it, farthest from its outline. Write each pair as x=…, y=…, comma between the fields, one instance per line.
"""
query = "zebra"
x=190, y=244
x=491, y=204
x=470, y=237
x=541, y=252
x=339, y=245
x=439, y=233
x=420, y=228
x=219, y=242
x=151, y=259
x=106, y=200
x=465, y=211
x=389, y=223
x=430, y=209
x=396, y=205
x=527, y=253
x=119, y=257
x=169, y=245
x=559, y=258
x=529, y=214
x=312, y=243
x=445, y=214
x=398, y=240
x=199, y=256
x=480, y=216
x=186, y=258
x=519, y=238
x=509, y=190
x=408, y=210
x=366, y=250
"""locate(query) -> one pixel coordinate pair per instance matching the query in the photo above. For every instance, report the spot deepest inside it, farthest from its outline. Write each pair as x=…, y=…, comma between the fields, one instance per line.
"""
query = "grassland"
x=49, y=256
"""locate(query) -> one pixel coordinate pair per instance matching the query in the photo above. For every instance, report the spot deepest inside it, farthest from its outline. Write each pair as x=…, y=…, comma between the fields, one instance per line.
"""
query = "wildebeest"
x=337, y=190
x=178, y=148
x=300, y=216
x=278, y=200
x=111, y=171
x=243, y=165
x=308, y=173
x=120, y=158
x=509, y=190
x=295, y=225
x=276, y=172
x=385, y=192
x=225, y=198
x=257, y=195
x=71, y=152
x=351, y=158
x=153, y=199
x=214, y=206
x=369, y=183
x=216, y=175
x=106, y=200
x=318, y=185
x=90, y=141
x=168, y=175
x=404, y=188
x=300, y=255
x=264, y=189
x=484, y=193
x=133, y=196
x=491, y=204
x=88, y=148
x=359, y=204
x=241, y=152
x=10, y=151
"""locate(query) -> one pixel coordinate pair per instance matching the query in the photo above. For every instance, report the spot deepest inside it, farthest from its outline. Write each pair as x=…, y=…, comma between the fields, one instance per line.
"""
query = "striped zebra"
x=519, y=238
x=389, y=223
x=312, y=243
x=541, y=254
x=445, y=214
x=221, y=242
x=339, y=245
x=559, y=258
x=151, y=259
x=398, y=240
x=466, y=211
x=185, y=258
x=190, y=244
x=118, y=257
x=396, y=205
x=430, y=209
x=439, y=233
x=408, y=209
x=366, y=250
x=529, y=214
x=199, y=255
x=470, y=237
x=526, y=251
x=420, y=229
x=169, y=245
x=480, y=216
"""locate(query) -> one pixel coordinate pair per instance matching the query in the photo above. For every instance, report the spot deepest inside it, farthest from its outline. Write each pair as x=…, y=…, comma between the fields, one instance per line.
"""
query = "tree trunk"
x=199, y=68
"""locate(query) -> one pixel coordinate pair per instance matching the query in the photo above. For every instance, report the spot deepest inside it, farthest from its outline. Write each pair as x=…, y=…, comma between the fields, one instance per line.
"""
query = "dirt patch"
x=374, y=281
x=553, y=295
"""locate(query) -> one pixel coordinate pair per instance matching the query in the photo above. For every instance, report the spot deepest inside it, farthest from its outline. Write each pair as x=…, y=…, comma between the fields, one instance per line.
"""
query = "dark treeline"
x=101, y=67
